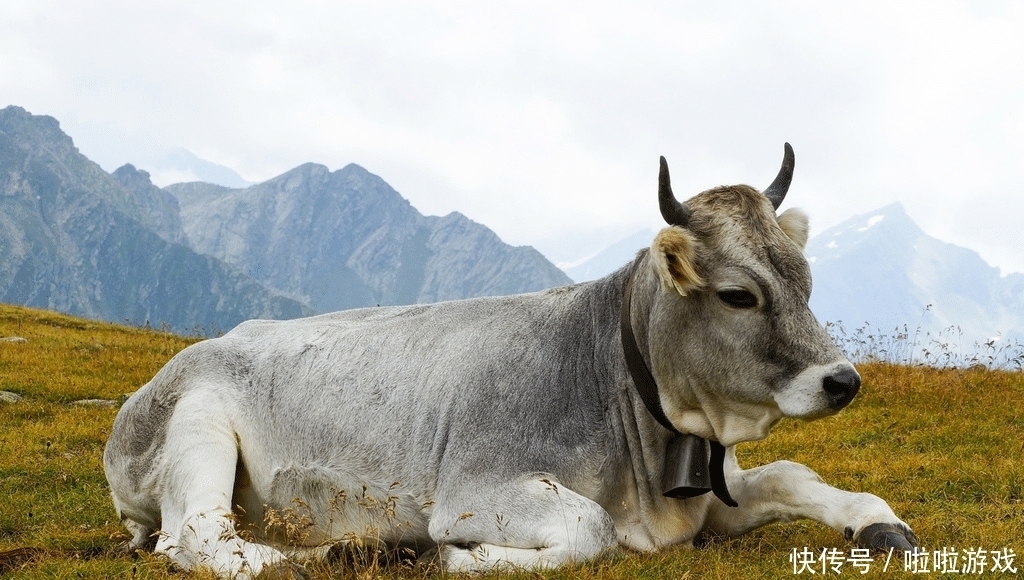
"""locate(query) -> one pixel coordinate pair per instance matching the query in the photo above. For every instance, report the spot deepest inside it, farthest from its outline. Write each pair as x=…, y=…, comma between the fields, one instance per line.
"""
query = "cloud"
x=545, y=121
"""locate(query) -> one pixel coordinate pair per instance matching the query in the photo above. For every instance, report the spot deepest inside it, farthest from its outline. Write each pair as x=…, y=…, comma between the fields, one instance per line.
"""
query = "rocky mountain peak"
x=129, y=176
x=115, y=246
x=158, y=210
x=346, y=238
x=18, y=124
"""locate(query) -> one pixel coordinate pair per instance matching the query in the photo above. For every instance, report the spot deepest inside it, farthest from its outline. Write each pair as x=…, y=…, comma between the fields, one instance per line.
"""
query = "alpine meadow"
x=404, y=290
x=943, y=445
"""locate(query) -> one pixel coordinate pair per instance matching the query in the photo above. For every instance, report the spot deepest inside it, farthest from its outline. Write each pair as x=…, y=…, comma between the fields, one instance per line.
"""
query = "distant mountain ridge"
x=880, y=268
x=74, y=239
x=180, y=165
x=346, y=239
x=114, y=246
x=611, y=258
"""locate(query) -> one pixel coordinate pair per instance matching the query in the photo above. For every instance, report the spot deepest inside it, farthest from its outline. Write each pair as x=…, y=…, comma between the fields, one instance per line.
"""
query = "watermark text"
x=948, y=560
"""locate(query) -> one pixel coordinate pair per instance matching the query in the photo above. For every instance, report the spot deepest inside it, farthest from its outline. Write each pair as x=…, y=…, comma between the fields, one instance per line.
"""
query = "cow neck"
x=690, y=456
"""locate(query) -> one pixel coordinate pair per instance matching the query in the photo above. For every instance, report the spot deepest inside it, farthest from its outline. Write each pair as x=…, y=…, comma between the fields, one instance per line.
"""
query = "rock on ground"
x=95, y=403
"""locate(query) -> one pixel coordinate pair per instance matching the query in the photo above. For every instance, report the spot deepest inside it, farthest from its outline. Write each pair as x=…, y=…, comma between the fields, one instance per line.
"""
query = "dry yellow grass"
x=942, y=446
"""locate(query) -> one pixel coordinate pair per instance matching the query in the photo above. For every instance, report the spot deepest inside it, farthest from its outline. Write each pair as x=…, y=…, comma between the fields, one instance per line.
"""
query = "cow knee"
x=574, y=524
x=595, y=532
x=536, y=523
x=582, y=534
x=588, y=535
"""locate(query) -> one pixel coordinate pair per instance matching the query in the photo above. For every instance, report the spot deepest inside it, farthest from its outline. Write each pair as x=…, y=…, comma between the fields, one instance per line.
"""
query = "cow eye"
x=738, y=298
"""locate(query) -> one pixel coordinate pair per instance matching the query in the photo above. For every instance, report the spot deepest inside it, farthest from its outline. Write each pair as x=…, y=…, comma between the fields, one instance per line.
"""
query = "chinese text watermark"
x=918, y=561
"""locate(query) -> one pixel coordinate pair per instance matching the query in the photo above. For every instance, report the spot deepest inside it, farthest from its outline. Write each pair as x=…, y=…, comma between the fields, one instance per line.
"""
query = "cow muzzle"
x=819, y=390
x=841, y=387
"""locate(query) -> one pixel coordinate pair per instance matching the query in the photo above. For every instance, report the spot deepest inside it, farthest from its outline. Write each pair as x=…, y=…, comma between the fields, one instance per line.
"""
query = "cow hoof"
x=885, y=536
x=130, y=550
x=429, y=557
x=283, y=571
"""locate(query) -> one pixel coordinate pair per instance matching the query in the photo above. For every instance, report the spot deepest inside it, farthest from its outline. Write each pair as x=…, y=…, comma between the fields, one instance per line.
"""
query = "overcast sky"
x=544, y=121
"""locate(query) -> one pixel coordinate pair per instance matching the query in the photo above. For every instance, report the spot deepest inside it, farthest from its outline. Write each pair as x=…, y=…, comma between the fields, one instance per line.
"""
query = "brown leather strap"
x=716, y=465
x=642, y=377
x=647, y=387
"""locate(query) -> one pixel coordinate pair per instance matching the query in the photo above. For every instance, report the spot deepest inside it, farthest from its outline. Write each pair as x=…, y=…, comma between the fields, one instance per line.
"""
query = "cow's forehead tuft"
x=740, y=221
x=737, y=211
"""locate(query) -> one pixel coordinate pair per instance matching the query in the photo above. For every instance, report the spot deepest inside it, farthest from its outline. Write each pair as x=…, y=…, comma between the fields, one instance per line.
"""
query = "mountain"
x=76, y=239
x=880, y=268
x=158, y=210
x=346, y=239
x=181, y=165
x=115, y=246
x=609, y=259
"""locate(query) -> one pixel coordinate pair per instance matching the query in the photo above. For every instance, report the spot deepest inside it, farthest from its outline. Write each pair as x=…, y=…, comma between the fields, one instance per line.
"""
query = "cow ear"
x=794, y=223
x=674, y=253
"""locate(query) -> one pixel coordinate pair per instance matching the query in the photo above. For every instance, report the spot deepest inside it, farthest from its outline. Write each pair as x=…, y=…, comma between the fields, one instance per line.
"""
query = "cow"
x=521, y=431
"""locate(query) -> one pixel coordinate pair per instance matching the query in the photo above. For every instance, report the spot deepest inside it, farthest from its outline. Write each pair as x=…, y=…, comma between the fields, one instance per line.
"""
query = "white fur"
x=568, y=535
x=795, y=224
x=784, y=491
x=804, y=397
x=198, y=530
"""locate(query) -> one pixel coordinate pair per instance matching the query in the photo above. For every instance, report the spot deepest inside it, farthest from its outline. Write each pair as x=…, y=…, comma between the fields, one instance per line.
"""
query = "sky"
x=545, y=120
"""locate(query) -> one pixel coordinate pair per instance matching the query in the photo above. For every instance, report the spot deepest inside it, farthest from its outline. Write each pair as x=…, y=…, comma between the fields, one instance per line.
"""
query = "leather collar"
x=689, y=464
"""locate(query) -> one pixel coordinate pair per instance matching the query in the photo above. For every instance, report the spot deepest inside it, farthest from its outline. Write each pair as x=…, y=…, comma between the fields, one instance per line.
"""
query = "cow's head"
x=733, y=343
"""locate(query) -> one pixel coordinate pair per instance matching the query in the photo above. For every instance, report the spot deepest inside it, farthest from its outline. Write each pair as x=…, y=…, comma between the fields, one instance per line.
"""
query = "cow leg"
x=785, y=491
x=197, y=528
x=531, y=524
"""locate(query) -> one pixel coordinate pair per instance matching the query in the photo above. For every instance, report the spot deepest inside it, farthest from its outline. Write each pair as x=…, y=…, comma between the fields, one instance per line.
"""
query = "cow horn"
x=776, y=192
x=675, y=213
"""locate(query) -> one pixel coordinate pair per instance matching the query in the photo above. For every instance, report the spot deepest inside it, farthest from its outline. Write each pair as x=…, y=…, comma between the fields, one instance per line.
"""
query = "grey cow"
x=506, y=431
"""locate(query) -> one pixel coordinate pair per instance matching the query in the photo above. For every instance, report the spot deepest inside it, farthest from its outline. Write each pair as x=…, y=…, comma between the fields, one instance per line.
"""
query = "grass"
x=945, y=348
x=942, y=446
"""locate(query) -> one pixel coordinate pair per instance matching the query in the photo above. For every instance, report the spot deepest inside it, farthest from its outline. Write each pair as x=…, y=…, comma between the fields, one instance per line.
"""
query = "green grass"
x=943, y=447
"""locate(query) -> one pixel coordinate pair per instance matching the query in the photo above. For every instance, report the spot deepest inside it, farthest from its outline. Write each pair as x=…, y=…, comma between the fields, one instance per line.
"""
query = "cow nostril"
x=841, y=386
